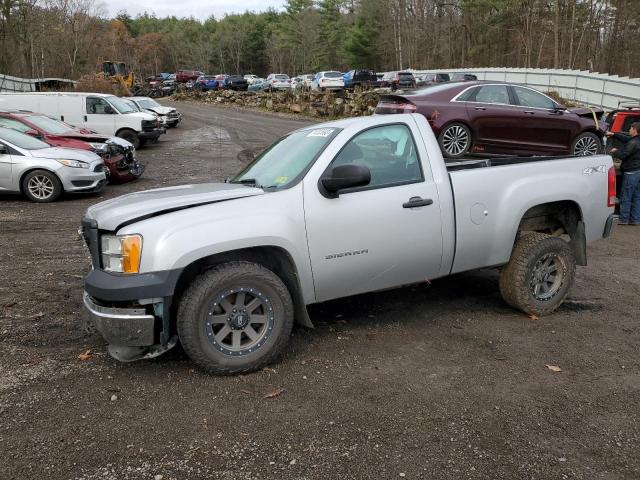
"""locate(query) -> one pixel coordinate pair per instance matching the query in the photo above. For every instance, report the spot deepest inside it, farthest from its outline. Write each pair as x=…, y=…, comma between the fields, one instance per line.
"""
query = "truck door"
x=383, y=235
x=6, y=166
x=100, y=116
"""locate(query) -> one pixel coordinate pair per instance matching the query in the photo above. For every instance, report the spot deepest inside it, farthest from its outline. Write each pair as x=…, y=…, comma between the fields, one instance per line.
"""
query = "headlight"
x=99, y=147
x=121, y=253
x=73, y=163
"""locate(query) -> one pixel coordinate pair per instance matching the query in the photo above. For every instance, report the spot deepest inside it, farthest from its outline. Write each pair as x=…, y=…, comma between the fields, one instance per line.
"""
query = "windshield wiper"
x=251, y=182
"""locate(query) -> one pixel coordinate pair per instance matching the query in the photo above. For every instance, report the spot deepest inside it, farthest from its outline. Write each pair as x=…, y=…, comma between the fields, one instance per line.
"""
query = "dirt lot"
x=439, y=381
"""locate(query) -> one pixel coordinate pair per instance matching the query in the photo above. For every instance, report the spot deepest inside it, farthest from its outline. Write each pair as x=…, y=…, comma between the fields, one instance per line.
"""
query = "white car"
x=251, y=78
x=328, y=81
x=277, y=81
x=169, y=116
x=307, y=79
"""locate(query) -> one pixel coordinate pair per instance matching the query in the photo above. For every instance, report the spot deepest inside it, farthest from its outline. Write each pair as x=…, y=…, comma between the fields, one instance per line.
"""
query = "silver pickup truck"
x=329, y=211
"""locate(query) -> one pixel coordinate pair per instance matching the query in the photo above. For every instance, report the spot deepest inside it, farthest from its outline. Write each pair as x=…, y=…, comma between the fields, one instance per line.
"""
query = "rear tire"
x=455, y=140
x=235, y=318
x=586, y=144
x=539, y=274
x=130, y=136
x=42, y=186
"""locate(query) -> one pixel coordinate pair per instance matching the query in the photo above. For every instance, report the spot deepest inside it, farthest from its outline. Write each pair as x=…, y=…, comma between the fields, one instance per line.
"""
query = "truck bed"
x=469, y=163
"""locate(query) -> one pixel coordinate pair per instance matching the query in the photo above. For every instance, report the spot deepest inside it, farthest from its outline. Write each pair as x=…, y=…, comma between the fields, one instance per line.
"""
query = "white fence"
x=588, y=88
x=16, y=84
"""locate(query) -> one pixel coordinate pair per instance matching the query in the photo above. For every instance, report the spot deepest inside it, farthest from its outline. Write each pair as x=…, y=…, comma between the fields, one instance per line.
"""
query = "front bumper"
x=122, y=170
x=151, y=134
x=122, y=326
x=80, y=180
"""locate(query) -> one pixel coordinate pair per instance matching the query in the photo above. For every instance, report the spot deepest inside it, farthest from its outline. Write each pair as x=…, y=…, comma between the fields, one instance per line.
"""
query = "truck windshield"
x=21, y=140
x=121, y=105
x=48, y=125
x=281, y=164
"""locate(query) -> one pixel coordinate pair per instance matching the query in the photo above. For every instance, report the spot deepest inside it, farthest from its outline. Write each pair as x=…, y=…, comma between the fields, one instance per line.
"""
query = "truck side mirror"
x=343, y=177
x=108, y=109
x=3, y=149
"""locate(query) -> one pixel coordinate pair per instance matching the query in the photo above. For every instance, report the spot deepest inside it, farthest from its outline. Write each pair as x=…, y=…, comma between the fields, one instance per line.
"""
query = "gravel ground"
x=439, y=381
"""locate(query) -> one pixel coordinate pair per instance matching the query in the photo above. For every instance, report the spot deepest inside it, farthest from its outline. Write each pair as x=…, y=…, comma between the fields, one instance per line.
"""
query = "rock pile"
x=314, y=104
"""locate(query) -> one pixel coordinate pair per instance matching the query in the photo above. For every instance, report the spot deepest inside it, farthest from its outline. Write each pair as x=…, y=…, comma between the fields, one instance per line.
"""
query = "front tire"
x=455, y=140
x=235, y=318
x=42, y=186
x=539, y=274
x=586, y=144
x=130, y=136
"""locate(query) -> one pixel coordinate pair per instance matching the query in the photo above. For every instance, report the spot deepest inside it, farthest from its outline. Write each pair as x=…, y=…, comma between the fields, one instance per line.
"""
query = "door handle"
x=417, y=202
x=529, y=112
x=480, y=108
x=85, y=118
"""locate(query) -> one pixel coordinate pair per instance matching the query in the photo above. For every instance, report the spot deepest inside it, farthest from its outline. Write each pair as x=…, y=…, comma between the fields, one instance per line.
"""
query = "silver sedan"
x=43, y=173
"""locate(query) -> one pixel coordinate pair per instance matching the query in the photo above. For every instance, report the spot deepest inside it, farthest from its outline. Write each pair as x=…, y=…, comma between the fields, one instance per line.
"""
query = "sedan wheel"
x=586, y=144
x=455, y=140
x=41, y=186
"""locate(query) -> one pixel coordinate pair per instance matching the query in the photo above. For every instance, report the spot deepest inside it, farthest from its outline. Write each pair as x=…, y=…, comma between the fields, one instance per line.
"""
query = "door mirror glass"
x=346, y=176
x=3, y=150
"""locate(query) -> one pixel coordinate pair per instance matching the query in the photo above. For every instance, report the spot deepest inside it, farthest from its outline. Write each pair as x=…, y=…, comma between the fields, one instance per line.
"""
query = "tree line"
x=69, y=38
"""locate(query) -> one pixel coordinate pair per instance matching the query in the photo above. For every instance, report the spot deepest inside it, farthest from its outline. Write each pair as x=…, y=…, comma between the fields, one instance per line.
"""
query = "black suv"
x=236, y=82
x=360, y=78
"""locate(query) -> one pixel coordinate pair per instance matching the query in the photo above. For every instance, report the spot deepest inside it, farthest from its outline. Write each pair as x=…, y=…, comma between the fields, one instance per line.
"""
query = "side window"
x=388, y=151
x=628, y=120
x=493, y=94
x=96, y=105
x=13, y=125
x=530, y=98
x=467, y=95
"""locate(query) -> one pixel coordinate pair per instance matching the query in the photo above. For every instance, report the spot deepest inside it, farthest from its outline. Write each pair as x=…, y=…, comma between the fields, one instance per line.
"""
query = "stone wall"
x=325, y=105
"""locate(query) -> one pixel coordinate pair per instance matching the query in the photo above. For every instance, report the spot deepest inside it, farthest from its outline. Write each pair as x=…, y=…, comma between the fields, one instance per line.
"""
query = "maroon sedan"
x=500, y=118
x=118, y=155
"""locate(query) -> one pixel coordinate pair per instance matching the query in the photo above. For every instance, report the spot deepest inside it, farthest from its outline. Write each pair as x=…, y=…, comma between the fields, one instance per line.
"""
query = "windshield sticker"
x=321, y=132
x=281, y=180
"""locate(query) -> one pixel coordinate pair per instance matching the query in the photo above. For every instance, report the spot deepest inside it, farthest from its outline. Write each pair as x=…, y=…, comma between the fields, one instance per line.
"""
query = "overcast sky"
x=186, y=8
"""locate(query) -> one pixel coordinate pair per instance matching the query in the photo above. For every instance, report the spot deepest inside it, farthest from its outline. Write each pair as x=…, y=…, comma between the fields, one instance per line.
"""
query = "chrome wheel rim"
x=239, y=321
x=40, y=187
x=547, y=277
x=586, y=146
x=455, y=140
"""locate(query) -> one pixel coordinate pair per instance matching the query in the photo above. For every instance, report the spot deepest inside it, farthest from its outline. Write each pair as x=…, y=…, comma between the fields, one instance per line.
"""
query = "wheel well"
x=274, y=258
x=123, y=129
x=592, y=130
x=561, y=218
x=24, y=174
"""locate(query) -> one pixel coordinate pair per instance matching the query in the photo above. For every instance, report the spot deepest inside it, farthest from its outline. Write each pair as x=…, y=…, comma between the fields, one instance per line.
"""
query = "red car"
x=118, y=155
x=619, y=121
x=184, y=76
x=499, y=118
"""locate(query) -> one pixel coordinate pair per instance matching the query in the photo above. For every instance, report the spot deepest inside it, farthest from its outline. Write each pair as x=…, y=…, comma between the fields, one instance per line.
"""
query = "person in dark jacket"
x=630, y=168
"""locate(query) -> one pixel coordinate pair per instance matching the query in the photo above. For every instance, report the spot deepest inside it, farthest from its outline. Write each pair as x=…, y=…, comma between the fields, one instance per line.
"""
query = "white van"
x=106, y=114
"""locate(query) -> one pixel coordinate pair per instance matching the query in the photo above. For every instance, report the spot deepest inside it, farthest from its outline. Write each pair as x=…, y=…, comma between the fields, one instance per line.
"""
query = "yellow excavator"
x=118, y=73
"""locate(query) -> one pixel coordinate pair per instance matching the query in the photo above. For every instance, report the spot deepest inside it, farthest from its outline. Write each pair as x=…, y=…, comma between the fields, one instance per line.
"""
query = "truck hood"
x=69, y=153
x=118, y=212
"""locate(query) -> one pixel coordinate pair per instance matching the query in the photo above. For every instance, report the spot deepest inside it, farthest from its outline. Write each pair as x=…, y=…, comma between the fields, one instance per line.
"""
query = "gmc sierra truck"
x=329, y=211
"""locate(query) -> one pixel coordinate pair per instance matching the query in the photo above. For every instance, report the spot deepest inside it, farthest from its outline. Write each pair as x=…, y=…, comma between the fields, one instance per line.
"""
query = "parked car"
x=43, y=173
x=499, y=118
x=169, y=116
x=235, y=82
x=396, y=80
x=117, y=154
x=360, y=78
x=328, y=211
x=169, y=85
x=250, y=78
x=257, y=85
x=426, y=79
x=277, y=81
x=297, y=83
x=330, y=80
x=619, y=120
x=463, y=77
x=307, y=79
x=103, y=113
x=183, y=76
x=206, y=82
